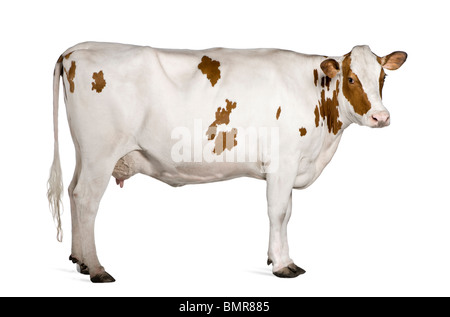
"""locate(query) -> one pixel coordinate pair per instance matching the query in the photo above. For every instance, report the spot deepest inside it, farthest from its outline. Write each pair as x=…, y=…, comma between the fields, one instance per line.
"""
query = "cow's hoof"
x=102, y=278
x=296, y=269
x=83, y=269
x=289, y=271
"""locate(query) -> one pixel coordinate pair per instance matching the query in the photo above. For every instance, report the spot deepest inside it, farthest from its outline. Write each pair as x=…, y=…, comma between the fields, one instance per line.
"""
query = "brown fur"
x=71, y=76
x=330, y=67
x=354, y=93
x=328, y=109
x=222, y=117
x=394, y=60
x=210, y=68
x=99, y=82
x=225, y=140
x=278, y=113
x=316, y=77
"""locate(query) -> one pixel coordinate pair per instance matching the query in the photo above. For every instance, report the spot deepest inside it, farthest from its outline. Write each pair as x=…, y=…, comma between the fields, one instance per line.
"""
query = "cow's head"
x=362, y=76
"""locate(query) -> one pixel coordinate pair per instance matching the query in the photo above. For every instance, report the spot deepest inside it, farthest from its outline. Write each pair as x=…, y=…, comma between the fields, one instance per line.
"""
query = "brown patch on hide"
x=317, y=116
x=68, y=55
x=71, y=76
x=354, y=92
x=278, y=113
x=316, y=77
x=381, y=81
x=225, y=140
x=325, y=81
x=210, y=68
x=302, y=131
x=60, y=59
x=222, y=117
x=328, y=109
x=99, y=81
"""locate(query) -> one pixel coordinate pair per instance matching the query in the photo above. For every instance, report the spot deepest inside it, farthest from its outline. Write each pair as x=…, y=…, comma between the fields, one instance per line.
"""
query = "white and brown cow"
x=265, y=113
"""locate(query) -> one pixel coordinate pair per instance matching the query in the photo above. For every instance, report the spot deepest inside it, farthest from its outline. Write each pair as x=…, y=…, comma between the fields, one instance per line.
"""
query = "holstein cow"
x=188, y=117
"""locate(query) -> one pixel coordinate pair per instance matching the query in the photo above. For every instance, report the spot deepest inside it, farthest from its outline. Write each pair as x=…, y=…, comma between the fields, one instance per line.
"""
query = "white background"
x=375, y=223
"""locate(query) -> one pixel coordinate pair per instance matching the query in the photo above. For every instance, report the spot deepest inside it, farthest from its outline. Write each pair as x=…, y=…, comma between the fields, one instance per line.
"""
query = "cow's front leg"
x=279, y=199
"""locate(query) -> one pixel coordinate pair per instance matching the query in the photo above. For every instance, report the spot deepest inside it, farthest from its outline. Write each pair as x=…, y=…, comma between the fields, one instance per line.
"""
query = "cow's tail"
x=55, y=183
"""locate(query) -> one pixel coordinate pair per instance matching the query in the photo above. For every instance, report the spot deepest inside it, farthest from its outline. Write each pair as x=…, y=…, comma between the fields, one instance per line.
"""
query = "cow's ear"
x=330, y=67
x=394, y=60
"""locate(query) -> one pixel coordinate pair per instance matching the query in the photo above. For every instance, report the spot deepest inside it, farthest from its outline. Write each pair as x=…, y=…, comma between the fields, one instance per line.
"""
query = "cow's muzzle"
x=379, y=119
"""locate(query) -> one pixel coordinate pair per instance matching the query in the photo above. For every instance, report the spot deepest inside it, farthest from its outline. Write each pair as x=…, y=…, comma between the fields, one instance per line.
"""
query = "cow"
x=191, y=117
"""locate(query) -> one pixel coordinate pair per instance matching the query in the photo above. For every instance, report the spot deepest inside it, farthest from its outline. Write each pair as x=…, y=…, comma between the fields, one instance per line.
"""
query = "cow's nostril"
x=374, y=118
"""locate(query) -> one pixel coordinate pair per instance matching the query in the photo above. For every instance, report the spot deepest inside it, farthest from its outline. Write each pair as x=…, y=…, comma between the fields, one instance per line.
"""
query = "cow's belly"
x=182, y=173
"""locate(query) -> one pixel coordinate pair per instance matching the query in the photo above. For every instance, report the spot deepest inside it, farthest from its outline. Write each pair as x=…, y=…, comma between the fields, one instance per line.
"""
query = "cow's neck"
x=331, y=112
x=331, y=116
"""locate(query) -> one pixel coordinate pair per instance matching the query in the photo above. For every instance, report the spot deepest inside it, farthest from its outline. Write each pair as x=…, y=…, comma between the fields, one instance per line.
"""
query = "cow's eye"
x=350, y=80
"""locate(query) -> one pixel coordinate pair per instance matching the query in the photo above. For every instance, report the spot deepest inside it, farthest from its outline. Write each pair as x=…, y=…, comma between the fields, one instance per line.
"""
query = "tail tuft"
x=55, y=190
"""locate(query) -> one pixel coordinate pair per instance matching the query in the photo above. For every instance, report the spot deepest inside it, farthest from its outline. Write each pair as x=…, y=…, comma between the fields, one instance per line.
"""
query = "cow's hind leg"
x=90, y=187
x=76, y=253
x=279, y=198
